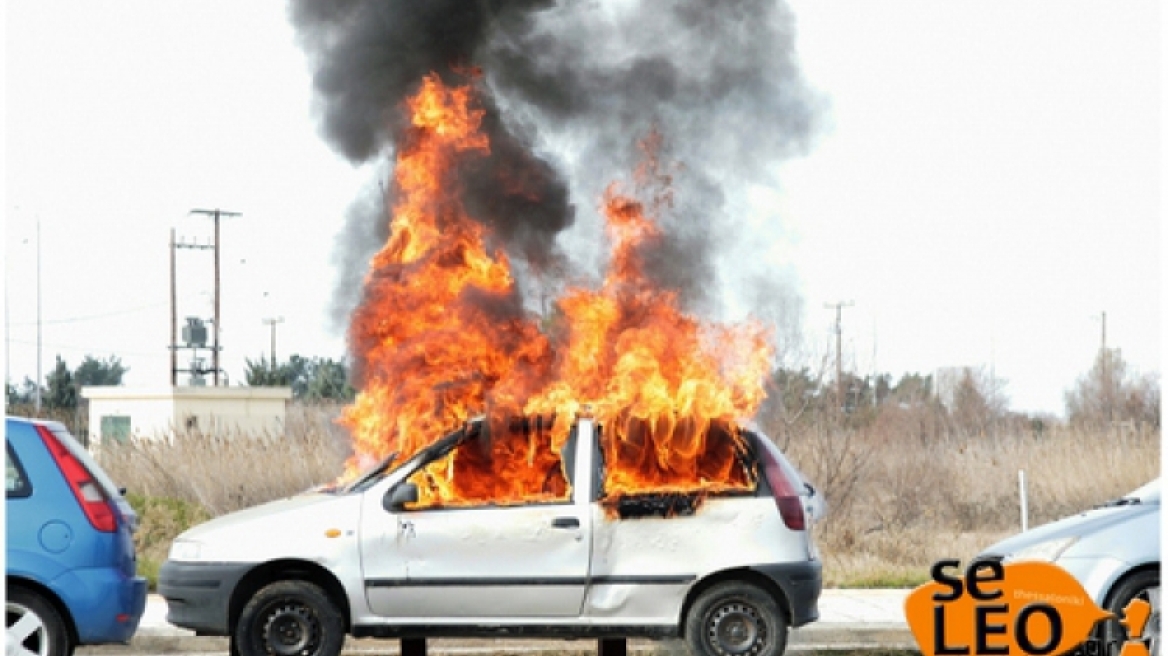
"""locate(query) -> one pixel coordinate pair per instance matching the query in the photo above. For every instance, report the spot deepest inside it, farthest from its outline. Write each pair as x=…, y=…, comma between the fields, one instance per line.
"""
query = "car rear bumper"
x=198, y=595
x=106, y=605
x=801, y=583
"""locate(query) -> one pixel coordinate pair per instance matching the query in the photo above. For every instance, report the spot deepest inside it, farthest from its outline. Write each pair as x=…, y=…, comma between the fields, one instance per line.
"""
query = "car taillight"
x=93, y=500
x=786, y=496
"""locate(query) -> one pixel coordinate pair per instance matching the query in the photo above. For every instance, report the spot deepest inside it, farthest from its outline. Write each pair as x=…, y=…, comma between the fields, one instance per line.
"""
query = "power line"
x=92, y=317
x=89, y=349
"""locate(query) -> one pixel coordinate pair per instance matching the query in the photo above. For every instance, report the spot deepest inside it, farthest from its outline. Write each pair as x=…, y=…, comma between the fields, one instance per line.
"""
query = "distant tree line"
x=971, y=402
x=311, y=379
x=61, y=390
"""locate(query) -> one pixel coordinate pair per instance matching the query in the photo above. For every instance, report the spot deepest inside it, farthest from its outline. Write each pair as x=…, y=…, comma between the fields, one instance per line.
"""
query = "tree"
x=913, y=389
x=261, y=373
x=329, y=380
x=312, y=379
x=62, y=390
x=977, y=405
x=1109, y=393
x=95, y=372
x=23, y=395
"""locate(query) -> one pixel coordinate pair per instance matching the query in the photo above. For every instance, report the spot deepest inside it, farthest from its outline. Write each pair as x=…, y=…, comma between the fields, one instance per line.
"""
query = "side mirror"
x=401, y=494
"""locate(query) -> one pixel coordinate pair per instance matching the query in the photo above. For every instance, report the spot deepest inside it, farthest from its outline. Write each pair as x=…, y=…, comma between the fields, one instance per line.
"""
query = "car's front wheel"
x=35, y=628
x=735, y=618
x=1141, y=585
x=290, y=618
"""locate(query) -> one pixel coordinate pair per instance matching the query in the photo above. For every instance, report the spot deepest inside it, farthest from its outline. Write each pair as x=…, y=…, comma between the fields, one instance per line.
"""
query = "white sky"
x=989, y=183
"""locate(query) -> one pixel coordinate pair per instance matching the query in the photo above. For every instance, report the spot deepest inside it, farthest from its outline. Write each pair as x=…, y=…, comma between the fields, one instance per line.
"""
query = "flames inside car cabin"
x=442, y=336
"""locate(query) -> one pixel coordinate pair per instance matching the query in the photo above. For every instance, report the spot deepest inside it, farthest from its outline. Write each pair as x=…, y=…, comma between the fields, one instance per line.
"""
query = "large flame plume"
x=444, y=338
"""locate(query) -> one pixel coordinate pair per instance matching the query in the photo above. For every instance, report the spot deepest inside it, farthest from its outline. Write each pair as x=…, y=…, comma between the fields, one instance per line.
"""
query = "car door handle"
x=565, y=522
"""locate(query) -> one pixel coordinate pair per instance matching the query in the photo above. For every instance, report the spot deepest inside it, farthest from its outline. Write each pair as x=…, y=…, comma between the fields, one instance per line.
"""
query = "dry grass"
x=225, y=472
x=913, y=503
x=896, y=504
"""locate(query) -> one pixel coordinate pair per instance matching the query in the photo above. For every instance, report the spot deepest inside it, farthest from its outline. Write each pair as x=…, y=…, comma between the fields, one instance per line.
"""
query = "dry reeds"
x=906, y=504
x=223, y=472
x=897, y=501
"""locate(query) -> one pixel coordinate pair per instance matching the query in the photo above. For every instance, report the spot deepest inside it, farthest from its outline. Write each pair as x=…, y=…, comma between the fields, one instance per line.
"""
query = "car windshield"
x=370, y=475
x=436, y=450
x=1148, y=493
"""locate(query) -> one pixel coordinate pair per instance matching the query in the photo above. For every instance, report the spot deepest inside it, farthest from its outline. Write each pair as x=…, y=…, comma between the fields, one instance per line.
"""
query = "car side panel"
x=643, y=568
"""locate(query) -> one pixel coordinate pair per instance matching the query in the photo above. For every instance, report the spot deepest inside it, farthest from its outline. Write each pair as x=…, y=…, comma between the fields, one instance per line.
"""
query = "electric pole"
x=37, y=387
x=215, y=214
x=1104, y=370
x=839, y=362
x=272, y=322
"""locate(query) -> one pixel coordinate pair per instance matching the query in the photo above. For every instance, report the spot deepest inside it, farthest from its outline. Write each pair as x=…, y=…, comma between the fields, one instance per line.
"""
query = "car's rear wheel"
x=35, y=628
x=1141, y=585
x=736, y=618
x=290, y=618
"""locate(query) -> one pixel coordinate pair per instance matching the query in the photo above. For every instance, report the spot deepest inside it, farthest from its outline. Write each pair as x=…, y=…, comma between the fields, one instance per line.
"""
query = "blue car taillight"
x=101, y=512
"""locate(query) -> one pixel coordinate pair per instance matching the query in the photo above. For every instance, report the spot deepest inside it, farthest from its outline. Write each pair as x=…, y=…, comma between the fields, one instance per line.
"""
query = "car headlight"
x=1047, y=551
x=188, y=550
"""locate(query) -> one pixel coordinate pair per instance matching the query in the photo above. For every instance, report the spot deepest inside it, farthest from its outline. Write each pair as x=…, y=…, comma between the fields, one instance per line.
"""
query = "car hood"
x=1093, y=521
x=301, y=521
x=1096, y=523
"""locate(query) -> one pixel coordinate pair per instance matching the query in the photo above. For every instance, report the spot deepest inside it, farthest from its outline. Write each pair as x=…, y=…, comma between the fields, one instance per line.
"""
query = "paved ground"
x=848, y=619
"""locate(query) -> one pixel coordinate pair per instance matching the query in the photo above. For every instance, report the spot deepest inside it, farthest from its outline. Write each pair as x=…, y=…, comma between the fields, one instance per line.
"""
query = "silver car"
x=1114, y=552
x=728, y=572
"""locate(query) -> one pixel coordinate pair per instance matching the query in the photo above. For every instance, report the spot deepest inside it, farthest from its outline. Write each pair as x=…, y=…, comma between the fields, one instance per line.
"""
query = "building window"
x=115, y=428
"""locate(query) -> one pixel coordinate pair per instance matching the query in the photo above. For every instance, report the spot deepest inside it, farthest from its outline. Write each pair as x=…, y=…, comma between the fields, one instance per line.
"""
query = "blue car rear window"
x=16, y=485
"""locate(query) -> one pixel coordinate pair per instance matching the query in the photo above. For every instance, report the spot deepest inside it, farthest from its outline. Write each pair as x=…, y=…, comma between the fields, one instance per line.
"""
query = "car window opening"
x=507, y=462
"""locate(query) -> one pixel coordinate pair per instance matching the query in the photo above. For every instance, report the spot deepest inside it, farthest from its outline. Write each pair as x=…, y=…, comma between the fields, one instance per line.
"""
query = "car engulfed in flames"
x=441, y=336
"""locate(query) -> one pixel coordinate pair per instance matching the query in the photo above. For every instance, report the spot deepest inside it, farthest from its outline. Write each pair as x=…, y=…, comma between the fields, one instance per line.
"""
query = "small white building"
x=116, y=413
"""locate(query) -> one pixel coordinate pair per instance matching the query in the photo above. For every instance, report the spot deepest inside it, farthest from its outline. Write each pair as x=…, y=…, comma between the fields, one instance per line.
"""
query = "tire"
x=735, y=618
x=1141, y=585
x=290, y=618
x=34, y=625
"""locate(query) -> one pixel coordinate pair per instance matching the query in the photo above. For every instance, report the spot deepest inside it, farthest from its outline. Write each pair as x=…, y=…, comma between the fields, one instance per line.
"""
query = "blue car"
x=71, y=570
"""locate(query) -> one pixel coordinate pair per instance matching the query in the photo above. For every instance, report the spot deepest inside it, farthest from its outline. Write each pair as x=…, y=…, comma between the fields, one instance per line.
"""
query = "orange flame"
x=666, y=387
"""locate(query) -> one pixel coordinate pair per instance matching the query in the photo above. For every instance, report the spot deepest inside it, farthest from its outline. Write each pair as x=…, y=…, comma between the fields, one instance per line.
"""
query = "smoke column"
x=570, y=87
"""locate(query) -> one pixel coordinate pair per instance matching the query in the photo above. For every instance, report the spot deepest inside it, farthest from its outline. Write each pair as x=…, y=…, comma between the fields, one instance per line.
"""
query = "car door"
x=484, y=561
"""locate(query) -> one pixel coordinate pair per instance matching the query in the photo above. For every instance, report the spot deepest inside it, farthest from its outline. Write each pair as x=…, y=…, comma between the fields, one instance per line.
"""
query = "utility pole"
x=839, y=362
x=37, y=387
x=272, y=322
x=215, y=214
x=1105, y=368
x=173, y=315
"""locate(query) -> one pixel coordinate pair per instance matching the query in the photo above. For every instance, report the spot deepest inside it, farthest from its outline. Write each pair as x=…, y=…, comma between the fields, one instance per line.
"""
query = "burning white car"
x=730, y=569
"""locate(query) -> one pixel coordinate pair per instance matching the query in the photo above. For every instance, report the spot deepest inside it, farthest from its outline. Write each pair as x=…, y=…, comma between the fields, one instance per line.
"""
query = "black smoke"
x=571, y=86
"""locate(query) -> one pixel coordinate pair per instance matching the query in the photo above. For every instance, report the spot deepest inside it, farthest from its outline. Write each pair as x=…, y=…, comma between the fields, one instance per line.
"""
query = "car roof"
x=76, y=448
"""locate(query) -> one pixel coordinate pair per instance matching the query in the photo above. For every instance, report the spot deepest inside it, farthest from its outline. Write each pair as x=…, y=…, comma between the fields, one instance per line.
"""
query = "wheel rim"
x=27, y=633
x=291, y=629
x=1151, y=635
x=736, y=628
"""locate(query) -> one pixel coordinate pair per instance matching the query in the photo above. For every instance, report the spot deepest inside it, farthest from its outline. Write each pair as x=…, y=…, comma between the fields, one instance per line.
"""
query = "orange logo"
x=1030, y=608
x=1135, y=618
